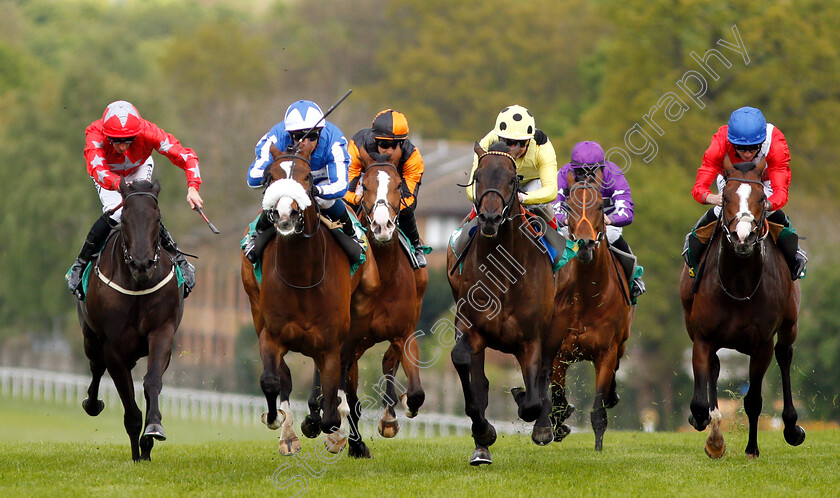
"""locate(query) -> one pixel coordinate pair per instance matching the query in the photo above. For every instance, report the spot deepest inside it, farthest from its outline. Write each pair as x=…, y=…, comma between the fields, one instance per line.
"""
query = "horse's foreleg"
x=604, y=377
x=759, y=362
x=160, y=351
x=389, y=426
x=484, y=434
x=561, y=409
x=530, y=401
x=794, y=434
x=271, y=383
x=542, y=433
x=133, y=419
x=699, y=417
x=415, y=396
x=311, y=425
x=331, y=379
x=92, y=405
x=357, y=447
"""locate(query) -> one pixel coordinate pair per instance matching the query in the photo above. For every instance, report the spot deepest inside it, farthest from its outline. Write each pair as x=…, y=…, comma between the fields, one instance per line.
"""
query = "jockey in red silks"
x=120, y=146
x=747, y=138
x=618, y=210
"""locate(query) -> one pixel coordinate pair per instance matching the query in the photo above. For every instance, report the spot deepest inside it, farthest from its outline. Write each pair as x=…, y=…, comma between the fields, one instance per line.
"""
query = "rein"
x=323, y=266
x=508, y=203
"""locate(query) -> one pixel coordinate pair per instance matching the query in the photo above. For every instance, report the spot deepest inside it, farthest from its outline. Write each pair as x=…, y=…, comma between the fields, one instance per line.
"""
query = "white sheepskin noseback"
x=285, y=188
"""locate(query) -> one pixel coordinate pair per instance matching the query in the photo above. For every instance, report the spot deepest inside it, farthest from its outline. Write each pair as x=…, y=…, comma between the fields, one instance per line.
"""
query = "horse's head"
x=744, y=212
x=140, y=228
x=290, y=192
x=381, y=198
x=496, y=187
x=585, y=208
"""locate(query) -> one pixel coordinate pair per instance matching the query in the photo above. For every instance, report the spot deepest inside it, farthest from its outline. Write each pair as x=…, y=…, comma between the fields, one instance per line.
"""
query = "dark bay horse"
x=504, y=300
x=744, y=298
x=592, y=314
x=400, y=296
x=132, y=309
x=303, y=302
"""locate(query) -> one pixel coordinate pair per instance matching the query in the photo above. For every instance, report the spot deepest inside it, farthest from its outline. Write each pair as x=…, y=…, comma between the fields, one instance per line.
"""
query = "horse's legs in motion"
x=160, y=351
x=414, y=398
x=470, y=368
x=794, y=434
x=561, y=409
x=699, y=417
x=357, y=447
x=120, y=372
x=759, y=362
x=530, y=401
x=542, y=433
x=715, y=445
x=389, y=426
x=334, y=400
x=270, y=381
x=605, y=366
x=92, y=405
x=289, y=442
x=311, y=425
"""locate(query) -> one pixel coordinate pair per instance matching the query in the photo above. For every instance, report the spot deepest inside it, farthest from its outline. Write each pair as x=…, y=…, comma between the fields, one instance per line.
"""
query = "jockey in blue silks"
x=618, y=211
x=329, y=162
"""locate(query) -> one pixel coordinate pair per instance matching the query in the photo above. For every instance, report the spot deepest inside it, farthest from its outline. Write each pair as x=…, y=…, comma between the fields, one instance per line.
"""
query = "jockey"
x=388, y=135
x=120, y=146
x=535, y=161
x=615, y=190
x=747, y=138
x=329, y=162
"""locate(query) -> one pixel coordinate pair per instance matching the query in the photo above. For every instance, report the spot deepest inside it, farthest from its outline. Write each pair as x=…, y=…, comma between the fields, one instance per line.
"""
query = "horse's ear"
x=274, y=151
x=760, y=167
x=123, y=186
x=156, y=187
x=727, y=164
x=478, y=150
x=367, y=159
x=570, y=177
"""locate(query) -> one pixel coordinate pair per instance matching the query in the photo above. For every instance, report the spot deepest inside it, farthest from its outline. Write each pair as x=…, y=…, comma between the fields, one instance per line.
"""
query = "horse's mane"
x=380, y=158
x=498, y=147
x=744, y=167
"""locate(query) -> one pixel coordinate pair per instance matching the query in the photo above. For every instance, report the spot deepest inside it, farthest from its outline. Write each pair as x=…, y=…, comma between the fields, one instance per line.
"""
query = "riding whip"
x=212, y=228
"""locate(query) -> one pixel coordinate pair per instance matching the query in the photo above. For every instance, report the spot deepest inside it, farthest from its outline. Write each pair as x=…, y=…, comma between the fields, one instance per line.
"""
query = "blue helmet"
x=303, y=115
x=747, y=126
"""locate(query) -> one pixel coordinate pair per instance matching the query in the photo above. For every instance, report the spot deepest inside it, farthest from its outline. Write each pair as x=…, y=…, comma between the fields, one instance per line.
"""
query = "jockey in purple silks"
x=618, y=209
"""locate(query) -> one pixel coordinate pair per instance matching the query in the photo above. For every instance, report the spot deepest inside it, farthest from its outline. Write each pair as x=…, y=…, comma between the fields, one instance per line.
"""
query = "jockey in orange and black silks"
x=120, y=146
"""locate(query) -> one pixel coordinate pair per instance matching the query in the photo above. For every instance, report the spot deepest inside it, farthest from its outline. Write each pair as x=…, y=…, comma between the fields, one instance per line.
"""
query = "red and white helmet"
x=121, y=119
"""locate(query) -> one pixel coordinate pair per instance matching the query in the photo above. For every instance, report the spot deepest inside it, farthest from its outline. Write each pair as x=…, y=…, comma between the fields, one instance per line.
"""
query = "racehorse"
x=132, y=309
x=510, y=316
x=744, y=298
x=592, y=314
x=392, y=312
x=303, y=301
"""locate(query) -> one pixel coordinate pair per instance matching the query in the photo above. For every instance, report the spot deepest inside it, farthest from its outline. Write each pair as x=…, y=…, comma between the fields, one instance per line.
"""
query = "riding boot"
x=629, y=263
x=93, y=242
x=554, y=238
x=257, y=240
x=354, y=248
x=187, y=269
x=794, y=255
x=408, y=224
x=693, y=247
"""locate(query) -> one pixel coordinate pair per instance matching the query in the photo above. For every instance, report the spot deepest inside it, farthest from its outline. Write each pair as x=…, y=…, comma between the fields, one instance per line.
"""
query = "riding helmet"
x=516, y=123
x=121, y=119
x=747, y=126
x=390, y=125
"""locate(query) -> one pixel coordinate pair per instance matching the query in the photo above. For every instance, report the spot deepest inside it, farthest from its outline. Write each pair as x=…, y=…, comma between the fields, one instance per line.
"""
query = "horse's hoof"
x=389, y=429
x=289, y=446
x=155, y=431
x=278, y=420
x=310, y=427
x=796, y=436
x=93, y=409
x=481, y=456
x=412, y=403
x=336, y=441
x=715, y=451
x=358, y=451
x=561, y=431
x=542, y=435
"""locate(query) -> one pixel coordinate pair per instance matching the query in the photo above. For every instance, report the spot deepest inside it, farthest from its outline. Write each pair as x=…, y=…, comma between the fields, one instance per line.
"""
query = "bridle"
x=758, y=224
x=508, y=203
x=583, y=219
x=300, y=224
x=126, y=256
x=382, y=202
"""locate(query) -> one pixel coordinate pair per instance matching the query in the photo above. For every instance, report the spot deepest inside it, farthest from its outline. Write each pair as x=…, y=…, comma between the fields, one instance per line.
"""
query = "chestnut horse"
x=744, y=298
x=303, y=301
x=132, y=309
x=592, y=313
x=510, y=315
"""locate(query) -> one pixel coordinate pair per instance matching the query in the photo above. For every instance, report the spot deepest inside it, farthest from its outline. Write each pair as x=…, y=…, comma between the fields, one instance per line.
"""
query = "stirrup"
x=420, y=256
x=250, y=248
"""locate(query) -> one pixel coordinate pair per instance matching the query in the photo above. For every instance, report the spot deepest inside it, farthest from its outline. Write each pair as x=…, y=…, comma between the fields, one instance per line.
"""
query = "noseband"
x=757, y=224
x=299, y=225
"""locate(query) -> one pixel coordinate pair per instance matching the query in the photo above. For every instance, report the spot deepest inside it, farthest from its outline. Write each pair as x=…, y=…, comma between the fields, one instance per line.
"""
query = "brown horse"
x=132, y=309
x=744, y=298
x=303, y=302
x=592, y=314
x=503, y=299
x=400, y=295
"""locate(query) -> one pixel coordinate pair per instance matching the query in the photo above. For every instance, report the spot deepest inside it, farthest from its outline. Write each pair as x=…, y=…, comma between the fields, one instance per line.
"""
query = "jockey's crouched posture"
x=747, y=138
x=329, y=162
x=120, y=146
x=618, y=211
x=388, y=135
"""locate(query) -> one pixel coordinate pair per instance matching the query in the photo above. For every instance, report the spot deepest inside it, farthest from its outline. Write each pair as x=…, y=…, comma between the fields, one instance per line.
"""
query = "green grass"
x=52, y=449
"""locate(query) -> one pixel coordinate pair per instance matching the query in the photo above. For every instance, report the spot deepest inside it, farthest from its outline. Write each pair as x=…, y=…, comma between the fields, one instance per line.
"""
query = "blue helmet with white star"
x=303, y=115
x=747, y=126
